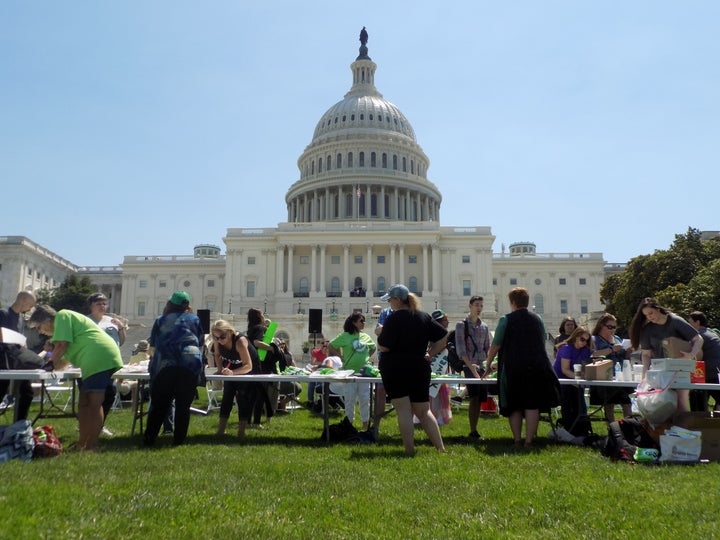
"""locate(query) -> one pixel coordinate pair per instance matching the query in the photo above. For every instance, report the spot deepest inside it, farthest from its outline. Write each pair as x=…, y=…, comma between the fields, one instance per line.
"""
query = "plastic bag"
x=656, y=405
x=47, y=443
x=680, y=444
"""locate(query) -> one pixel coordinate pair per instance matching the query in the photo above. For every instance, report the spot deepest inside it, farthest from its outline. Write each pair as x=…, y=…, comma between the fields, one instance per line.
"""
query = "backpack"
x=624, y=437
x=454, y=361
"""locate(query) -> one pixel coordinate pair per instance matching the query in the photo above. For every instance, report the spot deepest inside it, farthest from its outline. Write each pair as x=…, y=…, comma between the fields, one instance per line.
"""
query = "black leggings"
x=171, y=382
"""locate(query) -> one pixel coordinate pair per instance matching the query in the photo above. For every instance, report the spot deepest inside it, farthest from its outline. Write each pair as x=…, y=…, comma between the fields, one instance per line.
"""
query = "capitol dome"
x=363, y=161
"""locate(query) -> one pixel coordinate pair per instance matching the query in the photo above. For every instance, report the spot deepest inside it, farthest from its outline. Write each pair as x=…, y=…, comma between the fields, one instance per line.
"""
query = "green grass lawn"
x=283, y=482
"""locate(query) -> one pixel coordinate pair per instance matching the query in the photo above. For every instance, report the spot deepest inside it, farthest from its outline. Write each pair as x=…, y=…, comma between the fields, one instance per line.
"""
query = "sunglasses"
x=220, y=337
x=610, y=326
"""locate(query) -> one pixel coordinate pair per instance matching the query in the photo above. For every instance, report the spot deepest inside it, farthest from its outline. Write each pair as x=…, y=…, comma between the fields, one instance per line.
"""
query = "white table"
x=46, y=379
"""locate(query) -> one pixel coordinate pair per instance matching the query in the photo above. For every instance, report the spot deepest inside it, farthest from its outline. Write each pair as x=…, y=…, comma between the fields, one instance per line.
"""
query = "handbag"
x=656, y=405
x=47, y=443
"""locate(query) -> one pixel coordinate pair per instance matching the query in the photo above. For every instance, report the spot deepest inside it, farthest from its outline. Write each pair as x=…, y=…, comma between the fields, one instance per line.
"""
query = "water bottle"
x=618, y=372
x=627, y=371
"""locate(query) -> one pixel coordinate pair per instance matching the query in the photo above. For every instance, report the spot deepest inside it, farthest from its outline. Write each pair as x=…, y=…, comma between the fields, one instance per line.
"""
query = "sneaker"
x=475, y=435
x=107, y=432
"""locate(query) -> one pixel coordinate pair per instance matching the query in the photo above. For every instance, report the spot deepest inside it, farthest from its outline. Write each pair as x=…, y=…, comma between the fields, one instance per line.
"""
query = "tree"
x=72, y=294
x=685, y=277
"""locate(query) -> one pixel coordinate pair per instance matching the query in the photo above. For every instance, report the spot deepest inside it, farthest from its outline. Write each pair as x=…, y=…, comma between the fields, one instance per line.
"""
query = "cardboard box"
x=698, y=376
x=602, y=370
x=658, y=378
x=673, y=346
x=710, y=428
x=673, y=364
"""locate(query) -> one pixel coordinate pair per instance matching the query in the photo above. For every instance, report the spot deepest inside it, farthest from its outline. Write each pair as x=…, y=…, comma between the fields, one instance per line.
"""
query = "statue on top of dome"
x=363, y=36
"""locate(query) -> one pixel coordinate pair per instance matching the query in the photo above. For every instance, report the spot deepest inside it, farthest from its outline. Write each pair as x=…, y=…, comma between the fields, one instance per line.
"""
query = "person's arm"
x=492, y=353
x=438, y=346
x=378, y=329
x=566, y=369
x=217, y=358
x=121, y=330
x=646, y=356
x=59, y=349
x=696, y=350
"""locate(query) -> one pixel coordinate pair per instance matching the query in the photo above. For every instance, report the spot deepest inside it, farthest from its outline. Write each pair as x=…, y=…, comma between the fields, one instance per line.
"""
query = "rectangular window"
x=141, y=309
x=466, y=287
x=162, y=284
x=562, y=281
x=210, y=283
x=412, y=259
x=465, y=259
x=304, y=259
x=563, y=307
x=142, y=284
x=494, y=281
x=583, y=281
x=513, y=281
x=358, y=259
x=251, y=260
x=381, y=259
x=250, y=289
x=335, y=259
x=583, y=306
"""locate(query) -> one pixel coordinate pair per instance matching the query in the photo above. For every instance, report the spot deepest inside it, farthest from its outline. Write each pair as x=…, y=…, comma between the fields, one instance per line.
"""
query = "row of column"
x=285, y=267
x=322, y=204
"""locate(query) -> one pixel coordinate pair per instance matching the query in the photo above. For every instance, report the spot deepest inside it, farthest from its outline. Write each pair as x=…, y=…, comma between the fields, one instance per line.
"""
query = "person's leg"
x=473, y=412
x=532, y=420
x=683, y=400
x=350, y=396
x=515, y=421
x=311, y=392
x=364, y=401
x=185, y=382
x=380, y=402
x=403, y=409
x=23, y=399
x=627, y=409
x=109, y=399
x=226, y=406
x=160, y=395
x=429, y=424
x=609, y=409
x=90, y=418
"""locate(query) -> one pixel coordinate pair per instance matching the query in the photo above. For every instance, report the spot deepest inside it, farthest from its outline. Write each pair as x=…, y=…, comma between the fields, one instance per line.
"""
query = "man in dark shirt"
x=13, y=319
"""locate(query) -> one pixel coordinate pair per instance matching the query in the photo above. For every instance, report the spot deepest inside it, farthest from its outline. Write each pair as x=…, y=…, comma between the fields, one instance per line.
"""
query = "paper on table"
x=10, y=336
x=626, y=344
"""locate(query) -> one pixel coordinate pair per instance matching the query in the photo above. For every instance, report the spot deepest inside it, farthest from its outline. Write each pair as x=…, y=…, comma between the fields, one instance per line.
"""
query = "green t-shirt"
x=356, y=349
x=89, y=348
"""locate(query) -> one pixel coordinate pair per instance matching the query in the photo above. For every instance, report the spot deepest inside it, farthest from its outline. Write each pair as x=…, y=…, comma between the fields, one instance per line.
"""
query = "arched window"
x=350, y=159
x=319, y=165
x=312, y=167
x=361, y=204
x=539, y=303
x=338, y=161
x=404, y=163
x=384, y=160
x=412, y=284
x=335, y=285
x=373, y=159
x=358, y=282
x=381, y=285
x=373, y=205
x=412, y=166
x=395, y=162
x=304, y=287
x=329, y=162
x=362, y=159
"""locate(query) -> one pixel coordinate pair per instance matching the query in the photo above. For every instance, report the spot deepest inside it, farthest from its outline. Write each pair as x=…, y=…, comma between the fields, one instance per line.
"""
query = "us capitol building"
x=362, y=215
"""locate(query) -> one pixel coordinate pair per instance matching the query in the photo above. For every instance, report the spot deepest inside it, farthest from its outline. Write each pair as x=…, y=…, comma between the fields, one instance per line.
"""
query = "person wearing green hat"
x=176, y=363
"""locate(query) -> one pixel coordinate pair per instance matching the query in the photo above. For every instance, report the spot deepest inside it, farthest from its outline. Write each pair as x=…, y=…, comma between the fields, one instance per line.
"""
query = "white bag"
x=656, y=405
x=680, y=444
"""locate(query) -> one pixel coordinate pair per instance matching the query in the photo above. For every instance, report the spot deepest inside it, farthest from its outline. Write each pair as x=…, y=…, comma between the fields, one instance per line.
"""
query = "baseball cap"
x=438, y=314
x=178, y=297
x=142, y=345
x=398, y=291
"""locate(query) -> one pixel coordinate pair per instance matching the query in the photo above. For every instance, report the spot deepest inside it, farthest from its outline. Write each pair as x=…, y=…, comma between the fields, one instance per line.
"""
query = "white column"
x=229, y=274
x=346, y=269
x=381, y=203
x=279, y=269
x=401, y=268
x=323, y=262
x=435, y=267
x=392, y=265
x=315, y=216
x=313, y=268
x=369, y=278
x=341, y=204
x=395, y=214
x=290, y=286
x=425, y=285
x=327, y=215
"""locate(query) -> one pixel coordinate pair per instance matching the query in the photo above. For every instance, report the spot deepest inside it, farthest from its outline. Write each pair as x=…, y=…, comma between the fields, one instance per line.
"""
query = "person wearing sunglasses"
x=577, y=349
x=609, y=345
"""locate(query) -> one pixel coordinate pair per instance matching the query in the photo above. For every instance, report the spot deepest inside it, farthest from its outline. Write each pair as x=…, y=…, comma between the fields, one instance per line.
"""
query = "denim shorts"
x=97, y=382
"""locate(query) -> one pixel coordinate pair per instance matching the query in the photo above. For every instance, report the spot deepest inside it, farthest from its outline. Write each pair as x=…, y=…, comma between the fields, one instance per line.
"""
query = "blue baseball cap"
x=398, y=291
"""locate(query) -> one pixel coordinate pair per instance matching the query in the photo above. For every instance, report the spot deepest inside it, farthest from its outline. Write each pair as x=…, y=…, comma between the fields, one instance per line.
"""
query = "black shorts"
x=411, y=381
x=475, y=390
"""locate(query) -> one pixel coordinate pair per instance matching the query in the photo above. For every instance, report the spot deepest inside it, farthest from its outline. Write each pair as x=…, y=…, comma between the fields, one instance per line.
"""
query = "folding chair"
x=214, y=394
x=59, y=393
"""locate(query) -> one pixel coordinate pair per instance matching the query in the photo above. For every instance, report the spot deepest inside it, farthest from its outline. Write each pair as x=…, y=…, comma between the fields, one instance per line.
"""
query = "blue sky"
x=146, y=127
